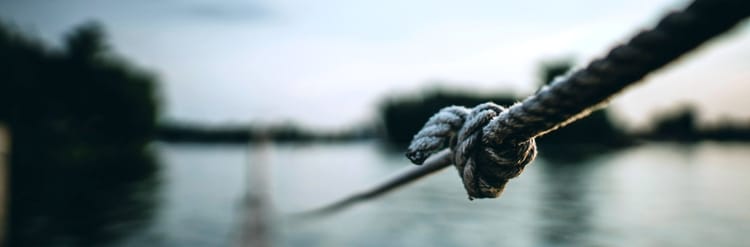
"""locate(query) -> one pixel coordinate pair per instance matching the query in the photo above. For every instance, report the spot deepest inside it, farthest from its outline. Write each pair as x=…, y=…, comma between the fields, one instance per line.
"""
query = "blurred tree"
x=552, y=69
x=81, y=121
x=403, y=117
x=86, y=42
x=678, y=125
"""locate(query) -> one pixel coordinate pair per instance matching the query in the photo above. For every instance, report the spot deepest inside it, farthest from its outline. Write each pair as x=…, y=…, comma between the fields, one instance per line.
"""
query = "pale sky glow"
x=328, y=63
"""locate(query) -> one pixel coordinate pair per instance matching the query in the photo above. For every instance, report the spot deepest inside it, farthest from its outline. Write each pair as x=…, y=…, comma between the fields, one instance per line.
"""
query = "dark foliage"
x=81, y=120
x=678, y=125
x=681, y=125
x=403, y=117
x=183, y=132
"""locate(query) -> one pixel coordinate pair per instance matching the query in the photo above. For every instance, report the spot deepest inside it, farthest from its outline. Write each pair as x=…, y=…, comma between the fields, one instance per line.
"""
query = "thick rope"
x=567, y=99
x=435, y=163
x=462, y=128
x=492, y=145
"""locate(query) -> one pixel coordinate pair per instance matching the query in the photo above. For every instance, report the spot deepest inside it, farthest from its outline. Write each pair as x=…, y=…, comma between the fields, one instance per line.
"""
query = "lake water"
x=649, y=195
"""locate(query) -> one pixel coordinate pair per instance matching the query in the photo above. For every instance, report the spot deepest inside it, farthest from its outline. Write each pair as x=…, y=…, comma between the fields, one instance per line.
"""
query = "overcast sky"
x=327, y=63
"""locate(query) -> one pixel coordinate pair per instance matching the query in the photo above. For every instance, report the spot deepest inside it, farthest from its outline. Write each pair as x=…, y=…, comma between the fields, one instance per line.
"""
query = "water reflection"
x=81, y=204
x=649, y=195
x=665, y=195
x=565, y=209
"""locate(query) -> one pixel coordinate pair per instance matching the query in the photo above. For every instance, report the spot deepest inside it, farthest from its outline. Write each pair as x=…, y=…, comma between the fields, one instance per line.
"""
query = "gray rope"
x=434, y=164
x=505, y=143
x=463, y=128
x=492, y=144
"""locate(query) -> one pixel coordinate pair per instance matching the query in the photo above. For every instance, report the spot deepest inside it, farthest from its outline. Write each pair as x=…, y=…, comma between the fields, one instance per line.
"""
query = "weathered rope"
x=472, y=150
x=492, y=145
x=434, y=164
x=512, y=131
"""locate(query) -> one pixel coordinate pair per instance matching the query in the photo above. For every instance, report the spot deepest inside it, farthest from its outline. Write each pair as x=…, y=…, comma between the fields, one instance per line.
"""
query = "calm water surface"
x=651, y=195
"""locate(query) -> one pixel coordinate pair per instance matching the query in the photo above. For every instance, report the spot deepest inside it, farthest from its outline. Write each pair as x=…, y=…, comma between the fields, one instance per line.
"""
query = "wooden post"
x=257, y=230
x=4, y=183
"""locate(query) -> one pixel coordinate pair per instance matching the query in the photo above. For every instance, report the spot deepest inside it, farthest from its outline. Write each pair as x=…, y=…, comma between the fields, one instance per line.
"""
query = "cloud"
x=226, y=11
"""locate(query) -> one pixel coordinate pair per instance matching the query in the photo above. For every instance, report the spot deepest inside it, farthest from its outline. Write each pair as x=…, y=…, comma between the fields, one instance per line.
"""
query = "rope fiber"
x=485, y=164
x=490, y=144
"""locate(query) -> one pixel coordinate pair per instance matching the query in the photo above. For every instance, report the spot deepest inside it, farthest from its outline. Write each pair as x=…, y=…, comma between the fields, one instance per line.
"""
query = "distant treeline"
x=681, y=125
x=182, y=132
x=403, y=117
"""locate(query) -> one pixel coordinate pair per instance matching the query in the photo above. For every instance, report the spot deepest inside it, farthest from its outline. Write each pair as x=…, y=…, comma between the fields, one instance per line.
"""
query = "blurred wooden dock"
x=257, y=210
x=4, y=160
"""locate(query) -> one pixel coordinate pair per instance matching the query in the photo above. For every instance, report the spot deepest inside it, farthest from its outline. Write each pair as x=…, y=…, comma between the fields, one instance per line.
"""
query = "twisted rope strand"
x=585, y=90
x=509, y=135
x=494, y=144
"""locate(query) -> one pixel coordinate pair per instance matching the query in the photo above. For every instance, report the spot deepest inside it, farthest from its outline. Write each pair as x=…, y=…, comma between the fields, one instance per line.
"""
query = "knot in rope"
x=484, y=159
